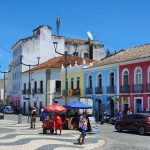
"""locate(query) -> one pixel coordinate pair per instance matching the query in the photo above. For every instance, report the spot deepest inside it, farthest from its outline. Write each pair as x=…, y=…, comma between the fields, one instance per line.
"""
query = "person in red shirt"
x=58, y=123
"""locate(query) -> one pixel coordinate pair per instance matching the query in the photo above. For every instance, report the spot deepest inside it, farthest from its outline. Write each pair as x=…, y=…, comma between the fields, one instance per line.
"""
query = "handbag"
x=80, y=128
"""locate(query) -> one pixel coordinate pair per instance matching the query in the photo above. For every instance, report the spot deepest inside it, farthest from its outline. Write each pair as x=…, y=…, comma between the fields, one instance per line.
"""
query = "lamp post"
x=29, y=86
x=63, y=54
x=4, y=72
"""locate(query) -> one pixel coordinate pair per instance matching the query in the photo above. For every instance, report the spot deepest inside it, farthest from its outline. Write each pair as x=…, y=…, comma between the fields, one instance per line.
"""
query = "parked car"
x=8, y=110
x=139, y=122
x=1, y=115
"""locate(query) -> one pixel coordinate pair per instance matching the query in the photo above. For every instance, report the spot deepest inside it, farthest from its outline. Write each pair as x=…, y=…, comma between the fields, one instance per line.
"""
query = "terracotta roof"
x=57, y=62
x=75, y=41
x=126, y=55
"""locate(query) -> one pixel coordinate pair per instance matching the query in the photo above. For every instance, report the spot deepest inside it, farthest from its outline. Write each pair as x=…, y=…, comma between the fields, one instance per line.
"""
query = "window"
x=35, y=86
x=125, y=78
x=86, y=55
x=90, y=82
x=100, y=80
x=41, y=85
x=24, y=87
x=111, y=79
x=58, y=86
x=149, y=75
x=138, y=76
x=71, y=83
x=78, y=82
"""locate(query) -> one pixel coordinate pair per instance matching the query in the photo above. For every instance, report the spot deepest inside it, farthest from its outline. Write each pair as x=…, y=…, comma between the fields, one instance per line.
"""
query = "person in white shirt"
x=83, y=126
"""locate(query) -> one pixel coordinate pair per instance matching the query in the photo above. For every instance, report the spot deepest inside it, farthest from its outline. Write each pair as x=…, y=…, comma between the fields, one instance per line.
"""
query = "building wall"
x=132, y=96
x=94, y=72
x=35, y=76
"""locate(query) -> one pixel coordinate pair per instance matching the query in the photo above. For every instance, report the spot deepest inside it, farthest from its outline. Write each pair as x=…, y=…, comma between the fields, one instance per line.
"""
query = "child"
x=58, y=123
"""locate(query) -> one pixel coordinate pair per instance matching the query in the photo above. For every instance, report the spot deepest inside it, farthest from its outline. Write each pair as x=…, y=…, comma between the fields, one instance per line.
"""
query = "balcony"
x=75, y=92
x=89, y=91
x=148, y=87
x=24, y=92
x=125, y=89
x=28, y=91
x=138, y=88
x=34, y=91
x=40, y=91
x=98, y=90
x=110, y=89
x=57, y=91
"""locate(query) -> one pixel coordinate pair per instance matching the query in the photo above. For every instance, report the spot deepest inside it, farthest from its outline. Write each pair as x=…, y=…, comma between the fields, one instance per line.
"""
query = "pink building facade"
x=134, y=85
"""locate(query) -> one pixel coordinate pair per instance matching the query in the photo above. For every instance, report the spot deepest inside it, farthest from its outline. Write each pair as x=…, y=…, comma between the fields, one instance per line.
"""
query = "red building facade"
x=134, y=85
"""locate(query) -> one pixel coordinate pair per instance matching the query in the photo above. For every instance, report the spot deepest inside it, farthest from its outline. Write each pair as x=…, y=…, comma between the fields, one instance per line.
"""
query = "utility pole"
x=29, y=87
x=4, y=72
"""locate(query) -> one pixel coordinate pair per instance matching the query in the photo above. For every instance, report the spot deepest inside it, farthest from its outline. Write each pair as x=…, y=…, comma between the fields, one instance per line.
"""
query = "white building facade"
x=40, y=44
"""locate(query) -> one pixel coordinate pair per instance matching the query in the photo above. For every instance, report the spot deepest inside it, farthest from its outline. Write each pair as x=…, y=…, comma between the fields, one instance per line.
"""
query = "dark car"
x=139, y=122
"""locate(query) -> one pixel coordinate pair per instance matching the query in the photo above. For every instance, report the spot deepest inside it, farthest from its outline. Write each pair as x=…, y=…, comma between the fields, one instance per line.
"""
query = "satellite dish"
x=90, y=35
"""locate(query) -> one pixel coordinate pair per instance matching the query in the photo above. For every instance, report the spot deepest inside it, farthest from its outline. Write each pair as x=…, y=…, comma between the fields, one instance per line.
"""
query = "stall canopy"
x=55, y=108
x=78, y=105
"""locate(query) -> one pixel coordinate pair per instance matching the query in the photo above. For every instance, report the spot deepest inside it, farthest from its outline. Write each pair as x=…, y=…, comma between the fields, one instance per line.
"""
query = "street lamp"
x=63, y=54
x=4, y=72
x=29, y=86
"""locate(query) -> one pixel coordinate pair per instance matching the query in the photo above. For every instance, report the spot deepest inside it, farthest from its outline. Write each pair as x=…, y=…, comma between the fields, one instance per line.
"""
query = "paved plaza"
x=14, y=136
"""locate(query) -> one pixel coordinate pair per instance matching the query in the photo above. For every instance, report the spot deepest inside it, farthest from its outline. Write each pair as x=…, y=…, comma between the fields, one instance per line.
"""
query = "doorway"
x=138, y=104
x=99, y=113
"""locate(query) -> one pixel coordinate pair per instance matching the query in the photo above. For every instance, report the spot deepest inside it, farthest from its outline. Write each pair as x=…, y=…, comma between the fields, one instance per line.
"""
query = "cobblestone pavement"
x=122, y=141
x=14, y=136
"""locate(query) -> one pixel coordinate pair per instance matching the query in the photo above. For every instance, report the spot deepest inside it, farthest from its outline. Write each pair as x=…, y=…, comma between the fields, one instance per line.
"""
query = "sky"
x=118, y=24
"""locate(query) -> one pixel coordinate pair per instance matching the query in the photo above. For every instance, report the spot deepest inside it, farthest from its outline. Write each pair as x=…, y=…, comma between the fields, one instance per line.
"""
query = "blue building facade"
x=101, y=84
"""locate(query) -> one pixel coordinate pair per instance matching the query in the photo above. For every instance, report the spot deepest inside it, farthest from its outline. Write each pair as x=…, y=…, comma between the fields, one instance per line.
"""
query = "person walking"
x=58, y=123
x=83, y=126
x=33, y=117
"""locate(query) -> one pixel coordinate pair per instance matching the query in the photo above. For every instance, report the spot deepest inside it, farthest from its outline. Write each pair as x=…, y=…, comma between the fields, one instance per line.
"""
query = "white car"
x=8, y=110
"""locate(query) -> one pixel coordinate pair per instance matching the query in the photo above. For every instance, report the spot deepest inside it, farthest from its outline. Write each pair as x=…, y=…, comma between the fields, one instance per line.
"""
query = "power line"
x=8, y=51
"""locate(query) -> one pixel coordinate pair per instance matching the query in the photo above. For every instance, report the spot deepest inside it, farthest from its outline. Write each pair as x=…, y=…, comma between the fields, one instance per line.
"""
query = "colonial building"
x=75, y=80
x=45, y=83
x=101, y=84
x=40, y=44
x=134, y=78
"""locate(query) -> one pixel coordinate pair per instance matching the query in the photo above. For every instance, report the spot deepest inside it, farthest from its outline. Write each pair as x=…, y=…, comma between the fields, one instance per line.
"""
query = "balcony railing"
x=89, y=91
x=98, y=90
x=148, y=87
x=75, y=92
x=24, y=92
x=40, y=90
x=28, y=91
x=34, y=91
x=125, y=89
x=110, y=89
x=138, y=88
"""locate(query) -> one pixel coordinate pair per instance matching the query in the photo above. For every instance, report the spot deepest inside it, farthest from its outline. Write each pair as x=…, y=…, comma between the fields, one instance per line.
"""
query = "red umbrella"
x=55, y=108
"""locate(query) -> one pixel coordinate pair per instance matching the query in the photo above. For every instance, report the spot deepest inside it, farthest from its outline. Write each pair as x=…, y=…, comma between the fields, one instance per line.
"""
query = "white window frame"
x=148, y=75
x=149, y=103
x=135, y=102
x=123, y=75
x=122, y=105
x=135, y=70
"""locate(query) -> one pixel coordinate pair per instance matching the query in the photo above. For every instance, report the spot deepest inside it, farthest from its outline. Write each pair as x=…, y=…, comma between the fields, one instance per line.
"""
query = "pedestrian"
x=119, y=115
x=129, y=111
x=33, y=117
x=58, y=123
x=83, y=126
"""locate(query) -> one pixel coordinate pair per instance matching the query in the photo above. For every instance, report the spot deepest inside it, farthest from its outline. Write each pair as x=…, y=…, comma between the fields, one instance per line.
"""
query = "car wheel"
x=142, y=130
x=119, y=127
